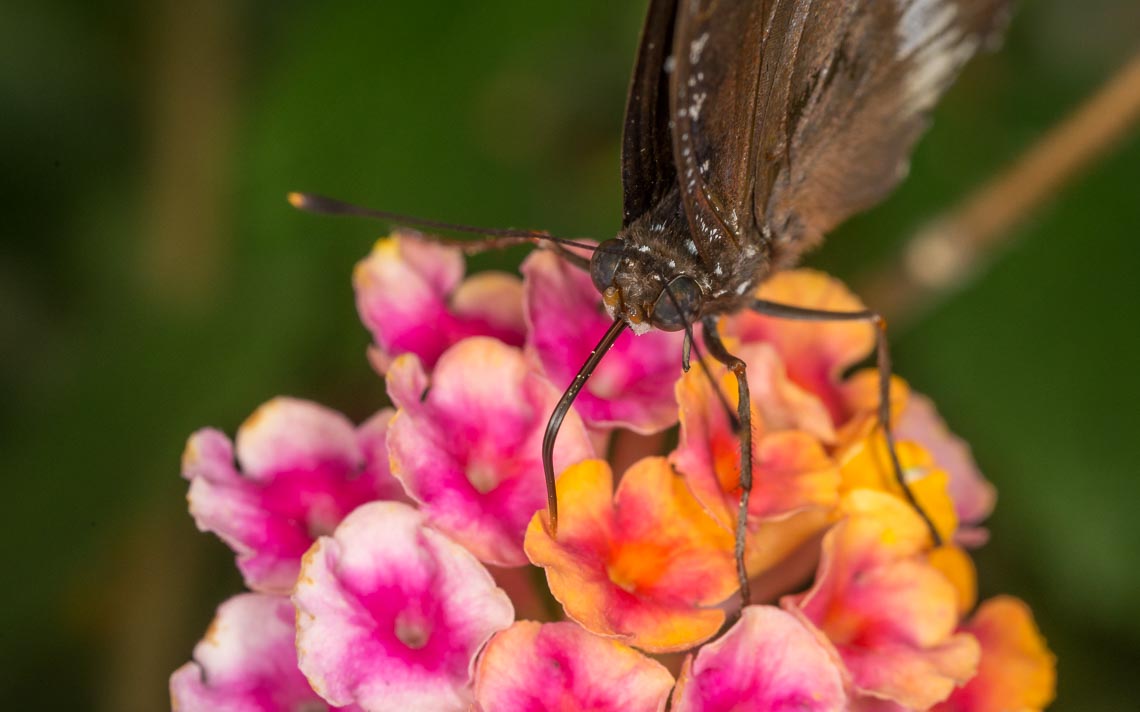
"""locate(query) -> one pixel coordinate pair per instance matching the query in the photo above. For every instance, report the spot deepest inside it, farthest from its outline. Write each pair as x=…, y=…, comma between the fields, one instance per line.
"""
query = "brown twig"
x=951, y=248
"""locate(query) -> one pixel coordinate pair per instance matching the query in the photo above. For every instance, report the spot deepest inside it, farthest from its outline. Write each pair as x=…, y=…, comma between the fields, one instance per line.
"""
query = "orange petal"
x=791, y=472
x=956, y=565
x=860, y=393
x=781, y=403
x=790, y=469
x=1017, y=671
x=866, y=464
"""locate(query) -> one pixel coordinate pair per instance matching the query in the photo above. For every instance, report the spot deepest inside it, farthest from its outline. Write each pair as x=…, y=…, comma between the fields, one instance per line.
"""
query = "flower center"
x=323, y=518
x=636, y=564
x=484, y=476
x=412, y=629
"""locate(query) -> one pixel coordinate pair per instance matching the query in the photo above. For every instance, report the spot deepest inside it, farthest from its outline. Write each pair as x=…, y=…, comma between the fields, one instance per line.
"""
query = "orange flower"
x=646, y=564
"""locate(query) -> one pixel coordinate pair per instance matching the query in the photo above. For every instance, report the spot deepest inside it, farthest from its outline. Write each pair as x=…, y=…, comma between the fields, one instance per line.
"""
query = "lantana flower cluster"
x=387, y=562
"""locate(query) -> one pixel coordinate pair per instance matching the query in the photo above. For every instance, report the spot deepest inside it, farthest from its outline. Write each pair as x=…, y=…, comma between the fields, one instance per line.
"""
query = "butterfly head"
x=643, y=289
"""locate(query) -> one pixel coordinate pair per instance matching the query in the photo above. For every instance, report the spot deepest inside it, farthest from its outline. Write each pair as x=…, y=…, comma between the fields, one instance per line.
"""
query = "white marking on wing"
x=934, y=66
x=695, y=107
x=934, y=47
x=921, y=21
x=696, y=47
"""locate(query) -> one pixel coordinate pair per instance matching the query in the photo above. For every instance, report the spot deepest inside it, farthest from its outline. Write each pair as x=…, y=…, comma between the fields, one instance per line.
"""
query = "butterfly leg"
x=883, y=359
x=744, y=419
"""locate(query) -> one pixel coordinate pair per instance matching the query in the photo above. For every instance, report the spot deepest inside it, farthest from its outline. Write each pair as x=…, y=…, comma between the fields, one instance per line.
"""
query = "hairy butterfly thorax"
x=655, y=275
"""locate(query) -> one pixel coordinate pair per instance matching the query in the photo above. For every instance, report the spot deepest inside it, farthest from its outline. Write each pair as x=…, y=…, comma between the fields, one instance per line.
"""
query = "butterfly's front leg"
x=744, y=419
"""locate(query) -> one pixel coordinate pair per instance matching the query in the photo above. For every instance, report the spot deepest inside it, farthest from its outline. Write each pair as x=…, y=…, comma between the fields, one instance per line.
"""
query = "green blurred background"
x=153, y=280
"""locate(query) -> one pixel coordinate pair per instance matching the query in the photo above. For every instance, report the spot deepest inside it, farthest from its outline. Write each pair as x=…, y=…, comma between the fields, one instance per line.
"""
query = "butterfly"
x=752, y=128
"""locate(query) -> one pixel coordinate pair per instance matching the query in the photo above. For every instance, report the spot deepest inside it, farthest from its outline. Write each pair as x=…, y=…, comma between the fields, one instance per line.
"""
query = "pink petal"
x=303, y=469
x=781, y=404
x=468, y=446
x=767, y=662
x=246, y=663
x=890, y=614
x=409, y=295
x=372, y=435
x=560, y=666
x=633, y=386
x=391, y=613
x=973, y=495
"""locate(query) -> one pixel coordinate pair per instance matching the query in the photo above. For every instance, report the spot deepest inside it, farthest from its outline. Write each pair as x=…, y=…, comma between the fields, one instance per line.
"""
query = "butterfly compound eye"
x=604, y=263
x=682, y=296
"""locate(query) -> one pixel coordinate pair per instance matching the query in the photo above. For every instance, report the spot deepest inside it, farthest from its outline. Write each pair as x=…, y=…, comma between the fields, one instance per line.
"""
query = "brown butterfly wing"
x=647, y=167
x=798, y=113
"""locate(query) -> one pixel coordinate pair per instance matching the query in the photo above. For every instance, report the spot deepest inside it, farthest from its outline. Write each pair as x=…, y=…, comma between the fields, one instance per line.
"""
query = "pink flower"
x=561, y=667
x=246, y=663
x=891, y=615
x=303, y=468
x=391, y=613
x=767, y=662
x=467, y=445
x=633, y=386
x=411, y=295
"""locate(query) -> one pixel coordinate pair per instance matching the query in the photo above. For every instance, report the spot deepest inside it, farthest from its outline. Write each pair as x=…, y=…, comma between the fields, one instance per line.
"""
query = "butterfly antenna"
x=323, y=205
